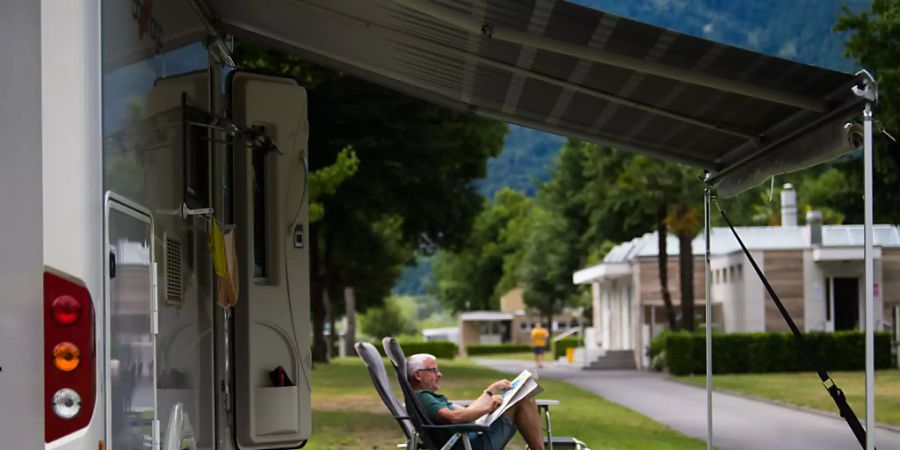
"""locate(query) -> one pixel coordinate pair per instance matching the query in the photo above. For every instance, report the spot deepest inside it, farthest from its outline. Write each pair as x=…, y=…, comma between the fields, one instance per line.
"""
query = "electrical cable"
x=287, y=279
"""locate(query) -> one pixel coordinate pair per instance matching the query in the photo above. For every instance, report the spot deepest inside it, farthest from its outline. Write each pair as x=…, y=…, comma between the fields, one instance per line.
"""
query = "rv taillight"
x=65, y=310
x=66, y=356
x=70, y=370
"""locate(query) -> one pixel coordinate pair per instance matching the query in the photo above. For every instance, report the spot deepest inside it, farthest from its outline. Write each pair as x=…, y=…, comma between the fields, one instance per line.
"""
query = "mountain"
x=524, y=163
x=799, y=30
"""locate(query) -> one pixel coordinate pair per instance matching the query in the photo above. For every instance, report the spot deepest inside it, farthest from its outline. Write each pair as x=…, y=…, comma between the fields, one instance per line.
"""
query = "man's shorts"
x=538, y=350
x=501, y=431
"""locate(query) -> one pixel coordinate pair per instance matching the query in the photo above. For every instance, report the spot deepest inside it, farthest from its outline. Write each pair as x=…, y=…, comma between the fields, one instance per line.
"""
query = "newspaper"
x=522, y=387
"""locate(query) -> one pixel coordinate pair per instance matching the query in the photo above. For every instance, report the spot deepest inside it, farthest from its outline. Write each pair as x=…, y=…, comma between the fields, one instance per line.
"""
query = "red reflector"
x=65, y=310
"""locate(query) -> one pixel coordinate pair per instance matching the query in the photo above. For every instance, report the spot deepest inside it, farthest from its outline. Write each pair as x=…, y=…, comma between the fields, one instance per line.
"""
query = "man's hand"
x=499, y=386
x=495, y=402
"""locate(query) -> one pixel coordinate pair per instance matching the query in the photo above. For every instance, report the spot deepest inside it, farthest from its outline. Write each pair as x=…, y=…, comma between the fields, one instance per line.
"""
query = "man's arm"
x=481, y=406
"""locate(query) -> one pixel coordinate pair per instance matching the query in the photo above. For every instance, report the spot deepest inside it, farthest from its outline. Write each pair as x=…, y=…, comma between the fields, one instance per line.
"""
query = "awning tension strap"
x=836, y=393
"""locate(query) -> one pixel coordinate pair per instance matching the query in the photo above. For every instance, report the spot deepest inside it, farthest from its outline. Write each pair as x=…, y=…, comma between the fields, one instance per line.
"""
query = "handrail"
x=566, y=333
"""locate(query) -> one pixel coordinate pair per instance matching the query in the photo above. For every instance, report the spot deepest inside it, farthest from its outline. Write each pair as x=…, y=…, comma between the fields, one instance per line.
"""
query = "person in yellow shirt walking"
x=539, y=336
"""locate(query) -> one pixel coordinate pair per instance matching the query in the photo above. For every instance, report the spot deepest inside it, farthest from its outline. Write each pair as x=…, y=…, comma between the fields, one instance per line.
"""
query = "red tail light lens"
x=70, y=370
x=65, y=310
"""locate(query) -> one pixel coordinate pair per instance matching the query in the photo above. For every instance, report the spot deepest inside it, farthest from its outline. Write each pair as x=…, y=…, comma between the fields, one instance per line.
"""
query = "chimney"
x=814, y=222
x=788, y=206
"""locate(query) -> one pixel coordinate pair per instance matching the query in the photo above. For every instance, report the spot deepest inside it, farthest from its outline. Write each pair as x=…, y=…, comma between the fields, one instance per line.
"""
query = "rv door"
x=271, y=320
x=131, y=325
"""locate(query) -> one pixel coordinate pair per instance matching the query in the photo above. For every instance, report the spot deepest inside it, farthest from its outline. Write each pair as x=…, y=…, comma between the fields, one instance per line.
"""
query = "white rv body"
x=96, y=193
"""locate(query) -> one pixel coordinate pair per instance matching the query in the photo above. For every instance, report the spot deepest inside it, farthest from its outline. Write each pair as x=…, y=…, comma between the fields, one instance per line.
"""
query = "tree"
x=472, y=277
x=413, y=189
x=549, y=262
x=874, y=43
x=657, y=185
x=386, y=320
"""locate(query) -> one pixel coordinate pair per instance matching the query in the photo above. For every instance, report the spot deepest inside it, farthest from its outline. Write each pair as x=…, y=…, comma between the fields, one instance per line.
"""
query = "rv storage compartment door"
x=271, y=327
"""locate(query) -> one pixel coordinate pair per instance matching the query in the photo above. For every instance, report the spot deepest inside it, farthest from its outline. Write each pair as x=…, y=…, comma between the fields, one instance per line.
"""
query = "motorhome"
x=153, y=251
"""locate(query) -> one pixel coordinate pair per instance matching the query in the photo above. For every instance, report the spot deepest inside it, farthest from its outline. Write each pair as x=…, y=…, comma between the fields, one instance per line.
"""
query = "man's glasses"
x=432, y=370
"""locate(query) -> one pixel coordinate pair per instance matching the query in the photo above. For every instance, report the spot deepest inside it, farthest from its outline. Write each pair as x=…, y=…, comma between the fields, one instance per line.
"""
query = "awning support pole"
x=870, y=280
x=707, y=197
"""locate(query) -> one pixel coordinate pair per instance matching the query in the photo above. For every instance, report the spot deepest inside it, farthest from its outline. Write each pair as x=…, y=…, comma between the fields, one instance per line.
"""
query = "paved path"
x=739, y=423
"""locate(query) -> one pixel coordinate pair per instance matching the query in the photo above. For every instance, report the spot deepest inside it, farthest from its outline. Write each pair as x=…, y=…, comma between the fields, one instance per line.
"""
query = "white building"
x=816, y=270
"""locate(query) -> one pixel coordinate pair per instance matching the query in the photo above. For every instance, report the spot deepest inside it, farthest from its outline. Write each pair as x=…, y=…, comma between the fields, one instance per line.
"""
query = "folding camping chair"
x=373, y=362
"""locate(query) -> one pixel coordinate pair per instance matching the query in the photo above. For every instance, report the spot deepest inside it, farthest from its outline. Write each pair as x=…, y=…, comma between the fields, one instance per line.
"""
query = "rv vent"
x=174, y=292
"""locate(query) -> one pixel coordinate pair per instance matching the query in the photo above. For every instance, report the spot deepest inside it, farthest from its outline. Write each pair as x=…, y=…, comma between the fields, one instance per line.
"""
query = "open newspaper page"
x=522, y=387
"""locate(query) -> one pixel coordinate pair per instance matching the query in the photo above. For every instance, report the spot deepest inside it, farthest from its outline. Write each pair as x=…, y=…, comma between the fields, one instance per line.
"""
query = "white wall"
x=754, y=295
x=21, y=319
x=815, y=301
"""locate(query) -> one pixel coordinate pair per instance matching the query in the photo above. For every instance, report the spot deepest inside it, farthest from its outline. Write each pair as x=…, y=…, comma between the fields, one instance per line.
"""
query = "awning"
x=578, y=72
x=600, y=272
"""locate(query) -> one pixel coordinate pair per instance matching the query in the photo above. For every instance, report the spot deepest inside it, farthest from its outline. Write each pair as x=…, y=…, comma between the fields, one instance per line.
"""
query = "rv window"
x=260, y=223
x=195, y=157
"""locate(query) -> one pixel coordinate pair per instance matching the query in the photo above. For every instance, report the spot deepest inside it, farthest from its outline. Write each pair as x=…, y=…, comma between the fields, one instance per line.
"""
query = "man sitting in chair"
x=425, y=378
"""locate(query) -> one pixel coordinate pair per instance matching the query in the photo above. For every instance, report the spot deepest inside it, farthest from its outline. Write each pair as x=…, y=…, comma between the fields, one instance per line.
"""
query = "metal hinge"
x=154, y=299
x=155, y=434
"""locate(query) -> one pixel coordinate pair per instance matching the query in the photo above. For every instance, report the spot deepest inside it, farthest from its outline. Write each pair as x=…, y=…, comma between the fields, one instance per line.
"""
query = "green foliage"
x=560, y=346
x=471, y=278
x=685, y=353
x=874, y=43
x=440, y=349
x=496, y=349
x=326, y=180
x=386, y=320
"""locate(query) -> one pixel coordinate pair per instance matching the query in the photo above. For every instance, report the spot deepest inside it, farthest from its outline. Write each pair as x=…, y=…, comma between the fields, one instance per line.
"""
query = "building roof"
x=484, y=316
x=722, y=242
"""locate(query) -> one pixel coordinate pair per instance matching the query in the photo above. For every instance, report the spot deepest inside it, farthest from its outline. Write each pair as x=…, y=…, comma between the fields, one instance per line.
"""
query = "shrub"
x=685, y=353
x=494, y=349
x=559, y=348
x=440, y=349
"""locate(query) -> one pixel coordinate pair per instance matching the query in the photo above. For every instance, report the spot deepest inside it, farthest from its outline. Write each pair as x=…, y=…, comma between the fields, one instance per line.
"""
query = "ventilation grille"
x=174, y=289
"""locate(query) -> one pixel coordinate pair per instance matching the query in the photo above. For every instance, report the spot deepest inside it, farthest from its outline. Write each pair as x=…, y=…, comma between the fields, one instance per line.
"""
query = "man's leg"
x=527, y=418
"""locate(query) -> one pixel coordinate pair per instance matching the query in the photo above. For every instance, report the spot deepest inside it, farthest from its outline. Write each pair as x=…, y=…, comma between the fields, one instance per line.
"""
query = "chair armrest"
x=458, y=427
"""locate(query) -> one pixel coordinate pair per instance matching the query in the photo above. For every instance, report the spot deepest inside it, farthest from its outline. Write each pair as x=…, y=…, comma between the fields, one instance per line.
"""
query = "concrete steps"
x=613, y=360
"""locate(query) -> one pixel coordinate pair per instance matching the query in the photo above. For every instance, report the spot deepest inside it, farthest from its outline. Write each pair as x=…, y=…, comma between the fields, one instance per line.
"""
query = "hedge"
x=440, y=349
x=493, y=349
x=559, y=348
x=684, y=353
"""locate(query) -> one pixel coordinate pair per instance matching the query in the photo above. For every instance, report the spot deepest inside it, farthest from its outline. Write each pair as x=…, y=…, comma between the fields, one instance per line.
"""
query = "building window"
x=523, y=326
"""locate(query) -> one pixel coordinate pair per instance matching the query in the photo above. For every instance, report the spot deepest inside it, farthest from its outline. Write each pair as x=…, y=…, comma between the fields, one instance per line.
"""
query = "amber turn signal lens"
x=66, y=356
x=65, y=310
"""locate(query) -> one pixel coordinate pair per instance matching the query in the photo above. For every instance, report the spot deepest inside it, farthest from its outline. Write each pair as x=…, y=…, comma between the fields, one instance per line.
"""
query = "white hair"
x=417, y=362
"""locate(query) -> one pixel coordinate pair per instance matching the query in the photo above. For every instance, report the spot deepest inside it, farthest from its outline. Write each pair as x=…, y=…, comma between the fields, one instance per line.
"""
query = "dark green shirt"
x=433, y=402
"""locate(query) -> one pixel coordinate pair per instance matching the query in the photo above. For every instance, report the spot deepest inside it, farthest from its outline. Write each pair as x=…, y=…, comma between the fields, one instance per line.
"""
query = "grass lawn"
x=347, y=413
x=804, y=389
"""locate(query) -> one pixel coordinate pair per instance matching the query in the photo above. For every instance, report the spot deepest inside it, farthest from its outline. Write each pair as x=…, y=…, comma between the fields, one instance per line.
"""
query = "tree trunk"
x=329, y=318
x=316, y=300
x=686, y=273
x=350, y=334
x=663, y=260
